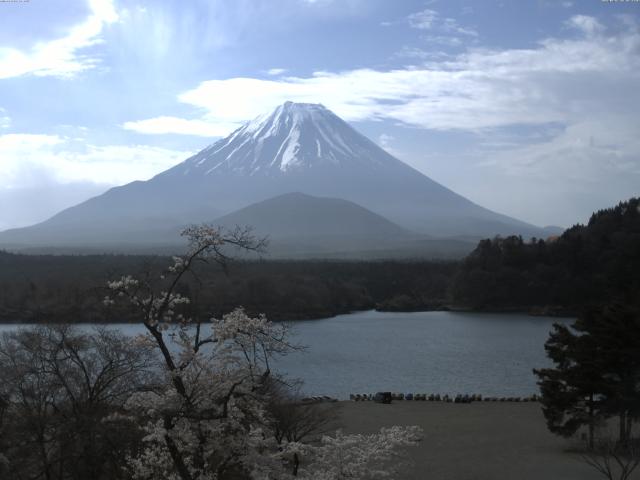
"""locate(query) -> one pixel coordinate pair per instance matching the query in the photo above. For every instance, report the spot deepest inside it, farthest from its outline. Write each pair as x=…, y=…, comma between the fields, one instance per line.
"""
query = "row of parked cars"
x=388, y=397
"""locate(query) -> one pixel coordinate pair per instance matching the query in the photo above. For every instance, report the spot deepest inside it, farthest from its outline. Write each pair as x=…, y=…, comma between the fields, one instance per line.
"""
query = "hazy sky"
x=528, y=107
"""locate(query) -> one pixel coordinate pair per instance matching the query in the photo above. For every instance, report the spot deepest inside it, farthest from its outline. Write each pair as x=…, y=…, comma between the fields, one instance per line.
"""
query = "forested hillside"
x=71, y=288
x=587, y=264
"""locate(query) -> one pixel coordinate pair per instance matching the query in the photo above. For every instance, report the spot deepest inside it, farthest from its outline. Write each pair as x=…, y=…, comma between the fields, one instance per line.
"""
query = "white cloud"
x=16, y=150
x=451, y=25
x=43, y=174
x=28, y=158
x=424, y=19
x=586, y=24
x=60, y=57
x=164, y=125
x=276, y=71
x=429, y=19
x=385, y=139
x=557, y=81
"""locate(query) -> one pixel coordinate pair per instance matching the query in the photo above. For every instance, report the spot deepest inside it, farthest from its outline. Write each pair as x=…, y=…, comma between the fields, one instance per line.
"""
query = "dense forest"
x=71, y=288
x=587, y=264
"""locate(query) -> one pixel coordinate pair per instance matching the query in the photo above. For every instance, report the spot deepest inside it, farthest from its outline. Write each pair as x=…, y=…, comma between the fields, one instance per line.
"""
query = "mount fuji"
x=299, y=147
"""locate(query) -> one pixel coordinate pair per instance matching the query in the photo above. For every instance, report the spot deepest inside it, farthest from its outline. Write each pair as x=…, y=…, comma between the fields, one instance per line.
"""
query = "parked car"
x=382, y=397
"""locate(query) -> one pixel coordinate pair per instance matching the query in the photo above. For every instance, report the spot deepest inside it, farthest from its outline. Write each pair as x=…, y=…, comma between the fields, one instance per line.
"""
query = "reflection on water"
x=431, y=352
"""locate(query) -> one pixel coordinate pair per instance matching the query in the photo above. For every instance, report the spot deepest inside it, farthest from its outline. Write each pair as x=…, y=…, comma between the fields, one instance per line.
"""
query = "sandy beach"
x=477, y=441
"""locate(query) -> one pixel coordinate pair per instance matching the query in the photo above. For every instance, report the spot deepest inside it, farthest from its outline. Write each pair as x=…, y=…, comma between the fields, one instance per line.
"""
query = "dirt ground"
x=477, y=441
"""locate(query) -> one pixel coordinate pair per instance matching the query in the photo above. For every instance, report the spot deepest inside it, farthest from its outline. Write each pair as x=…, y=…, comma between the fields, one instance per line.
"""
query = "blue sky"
x=529, y=107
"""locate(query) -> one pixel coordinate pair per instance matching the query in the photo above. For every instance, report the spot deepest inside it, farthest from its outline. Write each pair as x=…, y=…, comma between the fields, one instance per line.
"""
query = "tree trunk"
x=623, y=428
x=591, y=422
x=296, y=464
x=174, y=451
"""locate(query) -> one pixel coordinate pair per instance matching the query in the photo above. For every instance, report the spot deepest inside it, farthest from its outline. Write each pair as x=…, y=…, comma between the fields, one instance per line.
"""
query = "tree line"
x=586, y=265
x=47, y=288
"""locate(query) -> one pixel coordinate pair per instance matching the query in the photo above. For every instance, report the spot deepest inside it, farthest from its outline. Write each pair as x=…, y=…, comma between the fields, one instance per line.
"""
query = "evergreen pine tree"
x=596, y=373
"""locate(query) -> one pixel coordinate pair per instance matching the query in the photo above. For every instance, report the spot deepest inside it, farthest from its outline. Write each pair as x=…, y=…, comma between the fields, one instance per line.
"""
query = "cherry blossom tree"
x=341, y=457
x=210, y=418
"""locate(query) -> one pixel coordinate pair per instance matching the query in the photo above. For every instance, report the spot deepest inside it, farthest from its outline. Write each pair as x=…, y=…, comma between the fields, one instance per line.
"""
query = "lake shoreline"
x=539, y=311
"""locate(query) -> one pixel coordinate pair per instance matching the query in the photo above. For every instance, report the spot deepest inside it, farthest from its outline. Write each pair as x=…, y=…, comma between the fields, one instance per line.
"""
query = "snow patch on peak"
x=292, y=137
x=290, y=155
x=301, y=106
x=287, y=113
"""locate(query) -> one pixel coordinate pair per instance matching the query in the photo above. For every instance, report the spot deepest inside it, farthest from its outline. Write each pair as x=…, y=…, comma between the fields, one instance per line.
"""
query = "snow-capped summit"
x=295, y=136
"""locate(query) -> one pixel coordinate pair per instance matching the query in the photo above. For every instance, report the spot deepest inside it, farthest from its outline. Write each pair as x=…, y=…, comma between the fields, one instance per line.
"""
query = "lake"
x=422, y=352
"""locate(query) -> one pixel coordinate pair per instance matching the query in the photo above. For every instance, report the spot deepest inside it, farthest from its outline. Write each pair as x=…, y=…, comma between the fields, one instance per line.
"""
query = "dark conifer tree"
x=615, y=331
x=596, y=373
x=572, y=391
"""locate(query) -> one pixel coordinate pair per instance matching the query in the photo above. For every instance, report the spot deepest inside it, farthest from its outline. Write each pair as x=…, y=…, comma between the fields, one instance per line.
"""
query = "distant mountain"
x=296, y=215
x=302, y=225
x=552, y=230
x=307, y=148
x=296, y=148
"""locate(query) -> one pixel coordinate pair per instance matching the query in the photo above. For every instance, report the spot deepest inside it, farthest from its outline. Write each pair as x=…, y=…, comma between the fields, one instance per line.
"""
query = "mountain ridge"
x=302, y=148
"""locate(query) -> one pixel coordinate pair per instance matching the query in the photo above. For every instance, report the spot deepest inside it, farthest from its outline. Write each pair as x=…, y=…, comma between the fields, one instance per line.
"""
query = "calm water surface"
x=431, y=352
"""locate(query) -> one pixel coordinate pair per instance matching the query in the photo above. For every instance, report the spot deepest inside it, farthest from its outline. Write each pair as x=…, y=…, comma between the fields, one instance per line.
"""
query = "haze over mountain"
x=296, y=148
x=300, y=225
x=299, y=215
